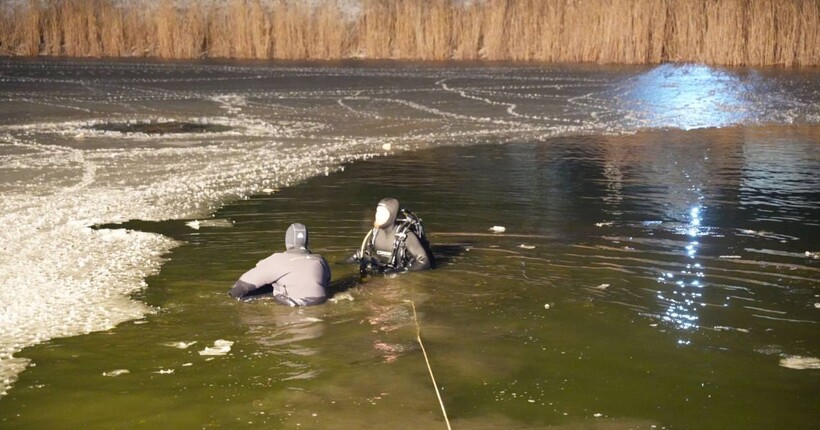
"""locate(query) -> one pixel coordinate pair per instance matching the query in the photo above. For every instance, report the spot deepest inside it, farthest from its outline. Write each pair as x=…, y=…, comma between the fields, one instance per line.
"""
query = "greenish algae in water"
x=646, y=281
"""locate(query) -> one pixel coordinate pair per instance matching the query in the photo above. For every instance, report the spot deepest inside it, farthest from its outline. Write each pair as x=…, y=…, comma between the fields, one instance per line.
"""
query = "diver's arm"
x=325, y=274
x=419, y=258
x=267, y=271
x=352, y=259
x=362, y=252
x=241, y=288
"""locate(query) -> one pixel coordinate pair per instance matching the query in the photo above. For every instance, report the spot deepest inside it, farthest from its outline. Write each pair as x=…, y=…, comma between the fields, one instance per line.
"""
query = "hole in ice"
x=170, y=127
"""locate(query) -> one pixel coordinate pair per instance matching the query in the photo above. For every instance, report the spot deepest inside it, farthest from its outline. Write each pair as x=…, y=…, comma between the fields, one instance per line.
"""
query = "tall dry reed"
x=19, y=30
x=728, y=32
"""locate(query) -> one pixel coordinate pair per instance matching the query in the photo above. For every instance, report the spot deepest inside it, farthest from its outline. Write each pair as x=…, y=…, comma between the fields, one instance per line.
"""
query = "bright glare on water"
x=644, y=278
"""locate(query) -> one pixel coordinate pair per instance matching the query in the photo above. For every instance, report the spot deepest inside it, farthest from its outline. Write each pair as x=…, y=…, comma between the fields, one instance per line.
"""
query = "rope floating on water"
x=429, y=369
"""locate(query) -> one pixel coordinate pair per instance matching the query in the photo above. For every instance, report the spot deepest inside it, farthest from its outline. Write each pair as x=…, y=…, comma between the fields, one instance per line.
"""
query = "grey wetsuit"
x=298, y=277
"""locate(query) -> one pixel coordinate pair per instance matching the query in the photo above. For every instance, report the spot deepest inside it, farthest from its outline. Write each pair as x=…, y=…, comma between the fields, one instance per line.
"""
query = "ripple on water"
x=277, y=126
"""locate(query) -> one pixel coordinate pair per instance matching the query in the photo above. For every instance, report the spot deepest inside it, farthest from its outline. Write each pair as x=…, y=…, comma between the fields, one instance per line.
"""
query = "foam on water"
x=61, y=172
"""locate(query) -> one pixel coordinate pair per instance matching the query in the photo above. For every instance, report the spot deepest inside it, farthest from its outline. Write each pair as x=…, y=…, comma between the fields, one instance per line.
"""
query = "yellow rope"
x=430, y=369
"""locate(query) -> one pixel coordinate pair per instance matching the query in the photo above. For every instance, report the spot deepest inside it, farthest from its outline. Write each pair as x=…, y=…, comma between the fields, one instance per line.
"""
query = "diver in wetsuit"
x=396, y=243
x=297, y=277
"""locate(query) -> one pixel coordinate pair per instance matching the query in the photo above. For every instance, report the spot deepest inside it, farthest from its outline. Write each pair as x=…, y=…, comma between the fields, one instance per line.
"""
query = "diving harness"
x=397, y=260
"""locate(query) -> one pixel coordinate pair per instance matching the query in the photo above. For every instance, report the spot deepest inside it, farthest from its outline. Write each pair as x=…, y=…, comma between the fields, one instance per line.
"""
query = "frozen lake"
x=86, y=143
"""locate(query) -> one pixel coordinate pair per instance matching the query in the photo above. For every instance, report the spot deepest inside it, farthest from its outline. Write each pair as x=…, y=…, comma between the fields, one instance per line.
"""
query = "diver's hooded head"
x=386, y=212
x=296, y=238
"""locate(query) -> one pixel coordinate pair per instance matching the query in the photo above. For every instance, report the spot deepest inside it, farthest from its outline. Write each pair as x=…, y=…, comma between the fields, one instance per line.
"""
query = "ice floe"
x=220, y=347
x=180, y=344
x=800, y=363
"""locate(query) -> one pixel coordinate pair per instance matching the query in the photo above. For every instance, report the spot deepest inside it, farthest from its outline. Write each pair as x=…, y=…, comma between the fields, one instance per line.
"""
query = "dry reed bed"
x=727, y=32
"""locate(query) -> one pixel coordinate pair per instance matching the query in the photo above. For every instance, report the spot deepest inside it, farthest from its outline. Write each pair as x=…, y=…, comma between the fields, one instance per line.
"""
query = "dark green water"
x=648, y=281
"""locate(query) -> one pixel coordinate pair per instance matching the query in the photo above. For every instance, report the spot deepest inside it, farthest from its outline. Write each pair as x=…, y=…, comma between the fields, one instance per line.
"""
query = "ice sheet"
x=60, y=174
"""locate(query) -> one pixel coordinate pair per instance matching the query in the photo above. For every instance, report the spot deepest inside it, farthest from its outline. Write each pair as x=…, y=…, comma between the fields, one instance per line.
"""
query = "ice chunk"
x=221, y=347
x=216, y=222
x=498, y=229
x=180, y=345
x=800, y=363
x=117, y=372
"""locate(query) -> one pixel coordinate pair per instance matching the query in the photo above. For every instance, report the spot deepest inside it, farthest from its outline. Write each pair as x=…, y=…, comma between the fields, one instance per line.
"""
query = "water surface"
x=655, y=280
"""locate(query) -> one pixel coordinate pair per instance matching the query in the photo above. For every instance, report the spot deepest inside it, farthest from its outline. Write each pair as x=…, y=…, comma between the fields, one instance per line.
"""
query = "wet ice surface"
x=63, y=171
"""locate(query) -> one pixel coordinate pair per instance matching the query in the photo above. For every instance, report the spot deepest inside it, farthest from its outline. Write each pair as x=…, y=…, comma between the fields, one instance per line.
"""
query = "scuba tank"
x=408, y=222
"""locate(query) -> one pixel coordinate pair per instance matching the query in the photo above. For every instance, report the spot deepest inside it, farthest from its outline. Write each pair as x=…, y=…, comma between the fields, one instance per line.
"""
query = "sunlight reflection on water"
x=685, y=299
x=693, y=96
